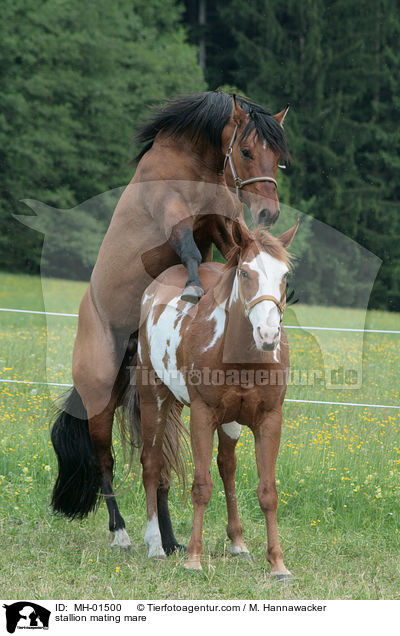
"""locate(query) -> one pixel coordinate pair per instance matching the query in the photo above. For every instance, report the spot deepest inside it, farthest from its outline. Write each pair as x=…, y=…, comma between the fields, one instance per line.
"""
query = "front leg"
x=228, y=435
x=183, y=243
x=178, y=227
x=267, y=434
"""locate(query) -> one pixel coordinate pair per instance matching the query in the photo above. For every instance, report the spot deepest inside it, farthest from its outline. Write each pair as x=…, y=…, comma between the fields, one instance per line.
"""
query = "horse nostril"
x=264, y=218
x=275, y=217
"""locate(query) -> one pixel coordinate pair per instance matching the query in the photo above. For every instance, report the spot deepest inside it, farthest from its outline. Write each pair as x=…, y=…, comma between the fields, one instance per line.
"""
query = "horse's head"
x=255, y=144
x=260, y=281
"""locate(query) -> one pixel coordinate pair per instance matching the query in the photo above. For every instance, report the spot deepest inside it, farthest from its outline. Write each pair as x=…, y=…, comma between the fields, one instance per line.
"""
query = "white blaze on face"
x=265, y=316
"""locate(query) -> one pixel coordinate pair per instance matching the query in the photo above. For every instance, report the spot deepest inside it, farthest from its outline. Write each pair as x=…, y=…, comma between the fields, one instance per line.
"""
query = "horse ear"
x=287, y=237
x=240, y=234
x=279, y=117
x=239, y=116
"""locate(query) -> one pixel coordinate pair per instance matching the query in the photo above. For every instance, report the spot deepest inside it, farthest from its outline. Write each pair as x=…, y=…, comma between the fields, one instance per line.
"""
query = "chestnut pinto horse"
x=185, y=348
x=179, y=202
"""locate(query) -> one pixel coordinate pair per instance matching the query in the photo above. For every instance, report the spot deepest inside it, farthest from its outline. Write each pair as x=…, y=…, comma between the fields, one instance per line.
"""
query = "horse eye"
x=243, y=273
x=246, y=153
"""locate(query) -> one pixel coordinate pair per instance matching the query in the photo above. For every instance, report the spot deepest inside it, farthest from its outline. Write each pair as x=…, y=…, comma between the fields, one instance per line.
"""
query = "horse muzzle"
x=267, y=339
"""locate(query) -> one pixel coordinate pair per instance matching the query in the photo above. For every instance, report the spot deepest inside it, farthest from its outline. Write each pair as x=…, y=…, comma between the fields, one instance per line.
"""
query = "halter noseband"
x=281, y=305
x=240, y=183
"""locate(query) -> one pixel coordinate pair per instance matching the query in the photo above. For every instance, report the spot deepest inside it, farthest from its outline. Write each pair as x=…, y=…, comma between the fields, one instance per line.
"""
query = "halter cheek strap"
x=240, y=183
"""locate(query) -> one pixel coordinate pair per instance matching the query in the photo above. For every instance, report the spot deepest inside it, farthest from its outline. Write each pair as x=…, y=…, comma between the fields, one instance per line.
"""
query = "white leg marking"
x=121, y=539
x=232, y=429
x=152, y=539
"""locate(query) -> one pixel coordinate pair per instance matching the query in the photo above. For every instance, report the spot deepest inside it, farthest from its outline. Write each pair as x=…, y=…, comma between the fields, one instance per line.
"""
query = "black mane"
x=203, y=116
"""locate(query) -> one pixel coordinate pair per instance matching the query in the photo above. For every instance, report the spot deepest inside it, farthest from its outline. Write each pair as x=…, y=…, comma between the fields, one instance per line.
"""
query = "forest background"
x=78, y=78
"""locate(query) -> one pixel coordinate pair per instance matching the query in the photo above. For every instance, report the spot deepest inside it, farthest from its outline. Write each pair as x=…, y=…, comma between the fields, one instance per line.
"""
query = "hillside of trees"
x=77, y=79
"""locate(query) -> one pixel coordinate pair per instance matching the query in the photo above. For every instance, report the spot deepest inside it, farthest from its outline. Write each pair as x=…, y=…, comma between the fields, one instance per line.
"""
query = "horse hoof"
x=192, y=570
x=244, y=556
x=239, y=553
x=282, y=578
x=120, y=539
x=192, y=294
x=156, y=552
x=157, y=555
x=171, y=549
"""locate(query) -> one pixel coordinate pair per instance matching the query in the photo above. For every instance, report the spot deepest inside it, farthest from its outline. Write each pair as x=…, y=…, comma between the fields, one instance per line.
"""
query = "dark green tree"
x=76, y=80
x=338, y=64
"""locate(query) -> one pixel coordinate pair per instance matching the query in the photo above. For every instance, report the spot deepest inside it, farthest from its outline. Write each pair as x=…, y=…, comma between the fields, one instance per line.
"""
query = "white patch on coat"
x=277, y=353
x=121, y=539
x=219, y=316
x=235, y=291
x=164, y=338
x=146, y=297
x=232, y=429
x=152, y=539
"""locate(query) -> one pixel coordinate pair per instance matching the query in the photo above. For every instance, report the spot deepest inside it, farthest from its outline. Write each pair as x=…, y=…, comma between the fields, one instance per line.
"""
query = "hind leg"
x=228, y=435
x=169, y=542
x=153, y=417
x=100, y=431
x=99, y=379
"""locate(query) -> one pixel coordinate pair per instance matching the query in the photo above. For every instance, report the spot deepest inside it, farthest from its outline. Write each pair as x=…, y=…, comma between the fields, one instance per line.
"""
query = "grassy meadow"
x=338, y=474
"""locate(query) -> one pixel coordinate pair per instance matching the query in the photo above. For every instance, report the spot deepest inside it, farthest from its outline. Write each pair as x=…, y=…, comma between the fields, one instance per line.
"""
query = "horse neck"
x=223, y=297
x=238, y=345
x=208, y=160
x=238, y=323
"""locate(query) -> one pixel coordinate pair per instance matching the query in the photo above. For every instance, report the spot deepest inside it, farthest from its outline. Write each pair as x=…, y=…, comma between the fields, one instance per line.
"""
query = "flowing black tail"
x=76, y=491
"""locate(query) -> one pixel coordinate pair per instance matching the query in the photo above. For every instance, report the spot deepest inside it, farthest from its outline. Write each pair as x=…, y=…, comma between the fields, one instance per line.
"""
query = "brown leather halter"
x=281, y=305
x=240, y=183
x=248, y=306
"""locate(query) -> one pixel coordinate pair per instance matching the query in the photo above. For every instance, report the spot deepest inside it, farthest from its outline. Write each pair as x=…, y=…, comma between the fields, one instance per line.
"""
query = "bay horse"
x=182, y=361
x=180, y=201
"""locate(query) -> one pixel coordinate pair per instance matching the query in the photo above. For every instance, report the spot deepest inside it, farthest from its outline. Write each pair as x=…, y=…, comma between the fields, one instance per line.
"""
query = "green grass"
x=338, y=476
